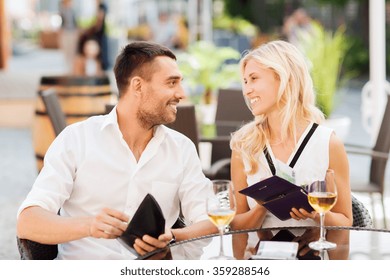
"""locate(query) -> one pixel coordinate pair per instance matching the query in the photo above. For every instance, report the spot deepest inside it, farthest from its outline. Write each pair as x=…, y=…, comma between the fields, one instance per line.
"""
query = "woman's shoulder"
x=330, y=134
x=323, y=132
x=336, y=145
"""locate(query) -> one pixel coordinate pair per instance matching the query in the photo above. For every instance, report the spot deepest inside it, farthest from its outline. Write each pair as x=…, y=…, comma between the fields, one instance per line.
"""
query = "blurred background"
x=81, y=38
x=29, y=24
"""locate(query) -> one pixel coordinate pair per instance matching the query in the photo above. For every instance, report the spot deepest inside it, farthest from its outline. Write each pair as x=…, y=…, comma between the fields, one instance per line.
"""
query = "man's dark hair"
x=134, y=58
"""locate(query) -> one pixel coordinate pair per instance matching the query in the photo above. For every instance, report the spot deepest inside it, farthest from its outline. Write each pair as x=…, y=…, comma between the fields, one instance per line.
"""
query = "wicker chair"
x=31, y=250
x=361, y=216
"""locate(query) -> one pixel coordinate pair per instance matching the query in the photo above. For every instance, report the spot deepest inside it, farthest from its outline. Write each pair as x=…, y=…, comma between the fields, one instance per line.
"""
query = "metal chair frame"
x=379, y=155
x=54, y=110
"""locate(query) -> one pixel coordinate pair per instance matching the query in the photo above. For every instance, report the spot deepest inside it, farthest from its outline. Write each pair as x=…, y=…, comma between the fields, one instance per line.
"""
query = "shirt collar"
x=159, y=132
x=112, y=119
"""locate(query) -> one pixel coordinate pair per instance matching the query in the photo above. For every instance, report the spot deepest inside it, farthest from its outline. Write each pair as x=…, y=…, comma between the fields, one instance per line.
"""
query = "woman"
x=279, y=91
x=87, y=62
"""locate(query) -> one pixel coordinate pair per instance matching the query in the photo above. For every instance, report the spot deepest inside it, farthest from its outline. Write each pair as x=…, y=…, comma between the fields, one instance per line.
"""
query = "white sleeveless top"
x=311, y=166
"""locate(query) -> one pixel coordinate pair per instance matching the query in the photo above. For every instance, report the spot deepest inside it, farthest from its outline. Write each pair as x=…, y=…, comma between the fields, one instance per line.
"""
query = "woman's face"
x=260, y=87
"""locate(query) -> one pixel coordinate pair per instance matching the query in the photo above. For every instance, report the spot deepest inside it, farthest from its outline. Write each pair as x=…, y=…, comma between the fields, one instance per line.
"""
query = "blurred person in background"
x=69, y=33
x=165, y=32
x=100, y=33
x=297, y=26
x=87, y=62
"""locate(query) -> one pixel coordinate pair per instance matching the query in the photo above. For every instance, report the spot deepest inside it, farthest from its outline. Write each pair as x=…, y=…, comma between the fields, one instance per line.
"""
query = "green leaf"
x=326, y=51
x=205, y=64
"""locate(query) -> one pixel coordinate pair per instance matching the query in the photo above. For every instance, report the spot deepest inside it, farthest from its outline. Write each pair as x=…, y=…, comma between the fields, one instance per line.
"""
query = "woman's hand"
x=302, y=214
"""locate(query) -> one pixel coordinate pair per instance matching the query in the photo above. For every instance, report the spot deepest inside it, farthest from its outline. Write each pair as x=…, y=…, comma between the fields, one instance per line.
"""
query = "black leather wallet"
x=279, y=196
x=148, y=219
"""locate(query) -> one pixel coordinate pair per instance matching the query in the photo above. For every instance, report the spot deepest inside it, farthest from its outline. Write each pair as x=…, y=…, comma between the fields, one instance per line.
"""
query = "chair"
x=186, y=123
x=31, y=250
x=109, y=107
x=80, y=97
x=54, y=110
x=28, y=249
x=232, y=112
x=379, y=155
x=220, y=156
x=361, y=216
x=49, y=121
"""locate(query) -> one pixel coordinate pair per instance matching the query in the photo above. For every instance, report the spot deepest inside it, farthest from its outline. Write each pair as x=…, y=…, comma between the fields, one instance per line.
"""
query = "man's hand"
x=109, y=224
x=149, y=244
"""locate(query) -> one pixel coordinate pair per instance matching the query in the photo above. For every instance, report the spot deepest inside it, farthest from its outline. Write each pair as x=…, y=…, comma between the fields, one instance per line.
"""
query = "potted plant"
x=326, y=51
x=207, y=66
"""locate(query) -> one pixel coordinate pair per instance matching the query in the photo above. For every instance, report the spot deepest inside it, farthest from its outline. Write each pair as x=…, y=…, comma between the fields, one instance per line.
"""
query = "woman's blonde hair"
x=295, y=99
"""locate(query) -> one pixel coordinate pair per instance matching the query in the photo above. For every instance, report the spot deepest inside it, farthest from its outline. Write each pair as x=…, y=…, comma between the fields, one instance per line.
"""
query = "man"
x=98, y=171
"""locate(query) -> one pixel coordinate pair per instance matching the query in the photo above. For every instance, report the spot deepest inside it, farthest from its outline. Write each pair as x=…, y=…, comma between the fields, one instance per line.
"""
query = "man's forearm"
x=40, y=225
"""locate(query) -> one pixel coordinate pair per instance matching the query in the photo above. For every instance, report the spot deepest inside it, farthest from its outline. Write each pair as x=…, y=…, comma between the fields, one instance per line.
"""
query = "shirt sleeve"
x=195, y=187
x=54, y=183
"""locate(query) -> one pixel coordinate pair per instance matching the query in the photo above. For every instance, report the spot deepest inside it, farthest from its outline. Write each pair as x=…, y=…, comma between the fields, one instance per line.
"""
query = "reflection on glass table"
x=352, y=243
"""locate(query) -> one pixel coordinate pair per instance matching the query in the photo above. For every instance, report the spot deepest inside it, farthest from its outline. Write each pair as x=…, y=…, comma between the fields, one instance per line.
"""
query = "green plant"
x=237, y=25
x=357, y=59
x=326, y=51
x=205, y=64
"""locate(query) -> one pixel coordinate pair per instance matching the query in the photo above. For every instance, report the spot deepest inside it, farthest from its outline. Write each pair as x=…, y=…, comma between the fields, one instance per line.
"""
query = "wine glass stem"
x=322, y=230
x=221, y=231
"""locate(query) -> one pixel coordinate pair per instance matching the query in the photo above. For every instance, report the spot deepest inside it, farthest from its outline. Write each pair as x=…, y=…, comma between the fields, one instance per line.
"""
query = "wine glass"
x=322, y=197
x=221, y=208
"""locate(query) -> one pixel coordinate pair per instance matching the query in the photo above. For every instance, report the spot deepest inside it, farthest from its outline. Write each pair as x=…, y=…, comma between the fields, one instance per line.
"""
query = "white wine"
x=322, y=201
x=221, y=217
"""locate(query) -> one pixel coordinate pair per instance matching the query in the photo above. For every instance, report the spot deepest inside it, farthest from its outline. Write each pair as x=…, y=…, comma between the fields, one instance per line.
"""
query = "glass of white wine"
x=221, y=208
x=322, y=197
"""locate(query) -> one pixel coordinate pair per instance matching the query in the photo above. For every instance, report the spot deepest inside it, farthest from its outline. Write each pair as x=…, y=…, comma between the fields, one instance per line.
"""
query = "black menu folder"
x=148, y=219
x=279, y=196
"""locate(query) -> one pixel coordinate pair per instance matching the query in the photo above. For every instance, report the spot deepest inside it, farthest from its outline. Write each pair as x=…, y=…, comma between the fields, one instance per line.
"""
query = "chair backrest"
x=378, y=165
x=54, y=110
x=186, y=123
x=361, y=216
x=109, y=107
x=31, y=250
x=232, y=112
